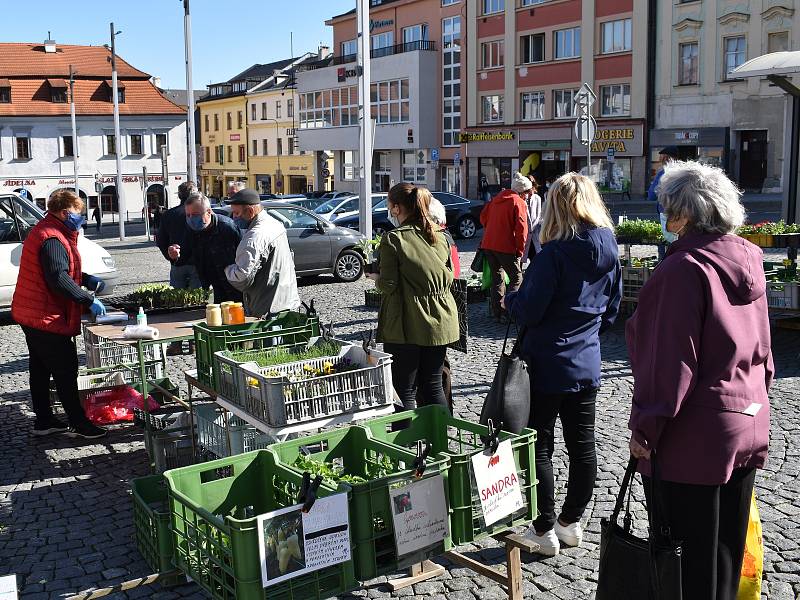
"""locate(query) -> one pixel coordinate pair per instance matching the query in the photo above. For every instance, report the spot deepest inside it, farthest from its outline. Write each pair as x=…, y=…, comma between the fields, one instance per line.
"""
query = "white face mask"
x=668, y=235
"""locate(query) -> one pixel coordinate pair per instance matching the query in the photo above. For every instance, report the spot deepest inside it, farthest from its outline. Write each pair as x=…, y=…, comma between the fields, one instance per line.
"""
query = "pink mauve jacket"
x=699, y=345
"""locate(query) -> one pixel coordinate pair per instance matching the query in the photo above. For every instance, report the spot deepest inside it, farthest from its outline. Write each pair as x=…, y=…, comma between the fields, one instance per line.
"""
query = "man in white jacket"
x=264, y=268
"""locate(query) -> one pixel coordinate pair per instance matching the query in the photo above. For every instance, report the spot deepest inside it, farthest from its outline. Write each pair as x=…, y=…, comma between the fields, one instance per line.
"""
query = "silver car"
x=318, y=245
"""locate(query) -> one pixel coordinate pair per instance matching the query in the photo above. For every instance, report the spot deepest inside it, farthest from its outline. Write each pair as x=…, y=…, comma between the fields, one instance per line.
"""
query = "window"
x=568, y=43
x=416, y=33
x=390, y=101
x=58, y=95
x=563, y=102
x=735, y=51
x=208, y=154
x=137, y=147
x=532, y=2
x=451, y=80
x=263, y=110
x=280, y=146
x=349, y=48
x=382, y=44
x=265, y=147
x=493, y=6
x=221, y=154
x=255, y=147
x=242, y=153
x=615, y=100
x=492, y=54
x=230, y=154
x=329, y=108
x=229, y=121
x=290, y=109
x=206, y=119
x=67, y=146
x=120, y=95
x=688, y=66
x=252, y=112
x=239, y=120
x=291, y=145
x=5, y=95
x=776, y=42
x=111, y=146
x=216, y=122
x=414, y=168
x=616, y=36
x=532, y=105
x=492, y=109
x=533, y=48
x=277, y=109
x=161, y=140
x=449, y=2
x=348, y=162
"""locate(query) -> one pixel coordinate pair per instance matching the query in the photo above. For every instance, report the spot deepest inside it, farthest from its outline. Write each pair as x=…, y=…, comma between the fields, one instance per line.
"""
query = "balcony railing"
x=423, y=45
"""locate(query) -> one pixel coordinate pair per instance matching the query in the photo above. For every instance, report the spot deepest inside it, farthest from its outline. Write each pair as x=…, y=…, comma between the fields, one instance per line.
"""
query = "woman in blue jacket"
x=570, y=294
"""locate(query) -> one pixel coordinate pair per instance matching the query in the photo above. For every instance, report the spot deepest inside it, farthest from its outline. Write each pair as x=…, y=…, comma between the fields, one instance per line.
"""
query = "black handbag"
x=508, y=403
x=632, y=568
x=459, y=290
x=477, y=262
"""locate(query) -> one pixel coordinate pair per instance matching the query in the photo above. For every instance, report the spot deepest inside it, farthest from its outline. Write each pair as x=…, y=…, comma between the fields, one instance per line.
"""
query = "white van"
x=17, y=217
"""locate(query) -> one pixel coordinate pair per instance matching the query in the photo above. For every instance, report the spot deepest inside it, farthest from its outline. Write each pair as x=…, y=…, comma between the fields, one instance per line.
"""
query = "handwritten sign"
x=420, y=515
x=498, y=483
x=292, y=543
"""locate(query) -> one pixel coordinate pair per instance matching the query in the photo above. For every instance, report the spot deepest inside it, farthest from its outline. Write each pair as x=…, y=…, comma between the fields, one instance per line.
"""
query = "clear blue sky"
x=228, y=35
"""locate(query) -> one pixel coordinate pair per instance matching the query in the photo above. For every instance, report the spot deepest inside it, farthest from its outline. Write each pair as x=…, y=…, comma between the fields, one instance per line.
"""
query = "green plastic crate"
x=371, y=521
x=153, y=532
x=214, y=520
x=295, y=327
x=460, y=440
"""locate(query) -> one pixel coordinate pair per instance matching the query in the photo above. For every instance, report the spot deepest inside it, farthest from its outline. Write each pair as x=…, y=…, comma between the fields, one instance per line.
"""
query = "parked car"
x=17, y=218
x=338, y=207
x=318, y=245
x=463, y=216
x=332, y=195
x=305, y=202
x=317, y=194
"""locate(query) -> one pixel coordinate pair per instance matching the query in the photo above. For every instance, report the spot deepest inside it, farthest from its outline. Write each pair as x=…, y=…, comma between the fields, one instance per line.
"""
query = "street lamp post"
x=121, y=208
x=365, y=119
x=74, y=132
x=192, y=150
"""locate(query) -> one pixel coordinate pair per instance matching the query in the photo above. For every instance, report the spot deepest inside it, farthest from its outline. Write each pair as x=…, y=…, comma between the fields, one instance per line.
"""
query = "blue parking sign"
x=434, y=154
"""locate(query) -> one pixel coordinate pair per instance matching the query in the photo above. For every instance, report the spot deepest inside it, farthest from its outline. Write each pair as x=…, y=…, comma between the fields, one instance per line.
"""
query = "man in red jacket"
x=47, y=304
x=505, y=228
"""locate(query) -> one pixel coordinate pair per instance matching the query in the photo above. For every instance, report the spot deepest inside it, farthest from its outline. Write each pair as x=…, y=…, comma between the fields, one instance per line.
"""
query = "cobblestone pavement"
x=65, y=508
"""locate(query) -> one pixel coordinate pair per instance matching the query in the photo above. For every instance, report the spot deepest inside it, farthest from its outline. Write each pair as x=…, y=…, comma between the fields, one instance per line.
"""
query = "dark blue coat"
x=173, y=230
x=213, y=249
x=570, y=294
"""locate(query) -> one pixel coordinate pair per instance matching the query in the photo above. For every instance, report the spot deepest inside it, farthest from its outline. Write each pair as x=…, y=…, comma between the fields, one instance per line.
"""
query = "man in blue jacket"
x=666, y=154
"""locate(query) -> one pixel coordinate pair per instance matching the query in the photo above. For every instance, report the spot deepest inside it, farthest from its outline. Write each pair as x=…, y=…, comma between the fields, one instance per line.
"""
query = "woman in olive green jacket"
x=418, y=316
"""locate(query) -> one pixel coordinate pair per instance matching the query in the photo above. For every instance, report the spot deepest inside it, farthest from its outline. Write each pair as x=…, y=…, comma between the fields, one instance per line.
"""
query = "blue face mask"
x=668, y=235
x=195, y=222
x=74, y=221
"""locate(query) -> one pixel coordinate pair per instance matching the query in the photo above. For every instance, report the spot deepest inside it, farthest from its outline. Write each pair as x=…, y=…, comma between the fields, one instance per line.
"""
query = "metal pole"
x=191, y=173
x=74, y=133
x=365, y=120
x=144, y=203
x=121, y=208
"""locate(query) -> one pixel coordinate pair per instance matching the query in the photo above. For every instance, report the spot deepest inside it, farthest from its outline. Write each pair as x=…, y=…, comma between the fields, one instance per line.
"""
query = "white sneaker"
x=547, y=542
x=571, y=535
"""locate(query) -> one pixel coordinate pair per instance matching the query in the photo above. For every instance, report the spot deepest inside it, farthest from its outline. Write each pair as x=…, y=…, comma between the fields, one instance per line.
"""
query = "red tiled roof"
x=32, y=97
x=31, y=60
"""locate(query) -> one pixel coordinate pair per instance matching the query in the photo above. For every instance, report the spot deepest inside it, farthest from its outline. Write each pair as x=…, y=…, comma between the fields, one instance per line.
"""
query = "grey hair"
x=436, y=212
x=198, y=198
x=703, y=195
x=237, y=186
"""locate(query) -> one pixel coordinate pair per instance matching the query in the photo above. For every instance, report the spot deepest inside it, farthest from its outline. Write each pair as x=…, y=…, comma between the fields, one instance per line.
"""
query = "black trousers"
x=577, y=414
x=711, y=521
x=500, y=263
x=53, y=355
x=421, y=366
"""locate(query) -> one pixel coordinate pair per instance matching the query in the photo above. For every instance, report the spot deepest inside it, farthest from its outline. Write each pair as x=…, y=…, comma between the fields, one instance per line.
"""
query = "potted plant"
x=639, y=231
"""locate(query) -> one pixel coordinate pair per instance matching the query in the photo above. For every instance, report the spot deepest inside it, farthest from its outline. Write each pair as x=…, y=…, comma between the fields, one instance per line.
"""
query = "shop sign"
x=485, y=136
x=498, y=483
x=378, y=23
x=18, y=182
x=687, y=136
x=300, y=168
x=549, y=155
x=618, y=140
x=235, y=137
x=343, y=73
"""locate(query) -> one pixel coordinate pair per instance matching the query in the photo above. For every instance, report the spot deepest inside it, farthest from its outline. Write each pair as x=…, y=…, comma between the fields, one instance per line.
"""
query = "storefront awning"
x=545, y=145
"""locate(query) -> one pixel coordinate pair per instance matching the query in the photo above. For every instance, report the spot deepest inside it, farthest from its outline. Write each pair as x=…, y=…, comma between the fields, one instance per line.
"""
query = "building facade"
x=526, y=59
x=276, y=162
x=415, y=96
x=713, y=117
x=37, y=149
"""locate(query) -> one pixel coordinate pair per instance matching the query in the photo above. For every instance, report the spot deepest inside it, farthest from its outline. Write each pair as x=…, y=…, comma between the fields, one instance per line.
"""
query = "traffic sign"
x=434, y=154
x=325, y=173
x=421, y=156
x=611, y=155
x=585, y=129
x=585, y=95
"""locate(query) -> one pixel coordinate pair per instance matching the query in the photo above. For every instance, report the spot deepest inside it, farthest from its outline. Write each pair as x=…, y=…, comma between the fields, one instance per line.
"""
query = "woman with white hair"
x=699, y=344
x=439, y=217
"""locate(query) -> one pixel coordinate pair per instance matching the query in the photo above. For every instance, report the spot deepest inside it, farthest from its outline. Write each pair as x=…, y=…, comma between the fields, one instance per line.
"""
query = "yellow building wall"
x=223, y=122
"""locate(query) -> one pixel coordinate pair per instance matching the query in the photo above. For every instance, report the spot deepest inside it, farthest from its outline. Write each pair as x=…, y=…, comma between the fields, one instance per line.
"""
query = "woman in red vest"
x=48, y=303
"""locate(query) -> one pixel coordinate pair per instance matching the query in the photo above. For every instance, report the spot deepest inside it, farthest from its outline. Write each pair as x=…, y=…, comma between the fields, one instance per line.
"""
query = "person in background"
x=158, y=212
x=534, y=203
x=699, y=345
x=173, y=235
x=48, y=302
x=665, y=155
x=264, y=267
x=213, y=240
x=439, y=217
x=97, y=217
x=234, y=187
x=418, y=317
x=505, y=229
x=571, y=294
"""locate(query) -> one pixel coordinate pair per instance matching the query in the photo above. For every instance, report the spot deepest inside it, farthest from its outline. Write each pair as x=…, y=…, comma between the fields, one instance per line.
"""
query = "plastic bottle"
x=213, y=315
x=141, y=317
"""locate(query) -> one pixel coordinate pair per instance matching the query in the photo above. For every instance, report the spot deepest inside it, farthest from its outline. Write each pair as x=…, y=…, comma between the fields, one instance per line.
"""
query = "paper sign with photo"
x=292, y=543
x=498, y=483
x=420, y=518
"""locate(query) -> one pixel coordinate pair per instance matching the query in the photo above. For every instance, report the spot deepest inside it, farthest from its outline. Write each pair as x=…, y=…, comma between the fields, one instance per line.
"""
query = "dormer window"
x=5, y=91
x=120, y=91
x=58, y=90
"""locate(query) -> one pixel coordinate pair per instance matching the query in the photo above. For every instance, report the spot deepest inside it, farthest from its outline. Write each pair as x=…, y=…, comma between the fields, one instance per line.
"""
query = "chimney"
x=49, y=44
x=157, y=82
x=324, y=52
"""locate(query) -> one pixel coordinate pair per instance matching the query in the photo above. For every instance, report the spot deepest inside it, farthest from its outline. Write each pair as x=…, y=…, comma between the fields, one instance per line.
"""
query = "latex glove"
x=95, y=284
x=97, y=308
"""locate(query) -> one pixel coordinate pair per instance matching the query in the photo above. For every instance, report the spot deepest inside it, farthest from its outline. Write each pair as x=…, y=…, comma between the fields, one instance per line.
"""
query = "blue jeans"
x=184, y=277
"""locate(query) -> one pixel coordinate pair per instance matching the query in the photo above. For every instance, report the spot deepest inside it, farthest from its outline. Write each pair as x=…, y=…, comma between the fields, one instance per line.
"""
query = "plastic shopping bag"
x=486, y=279
x=753, y=563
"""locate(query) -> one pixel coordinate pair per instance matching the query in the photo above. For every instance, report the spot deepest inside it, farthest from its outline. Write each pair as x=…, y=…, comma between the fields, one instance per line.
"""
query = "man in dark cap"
x=264, y=268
